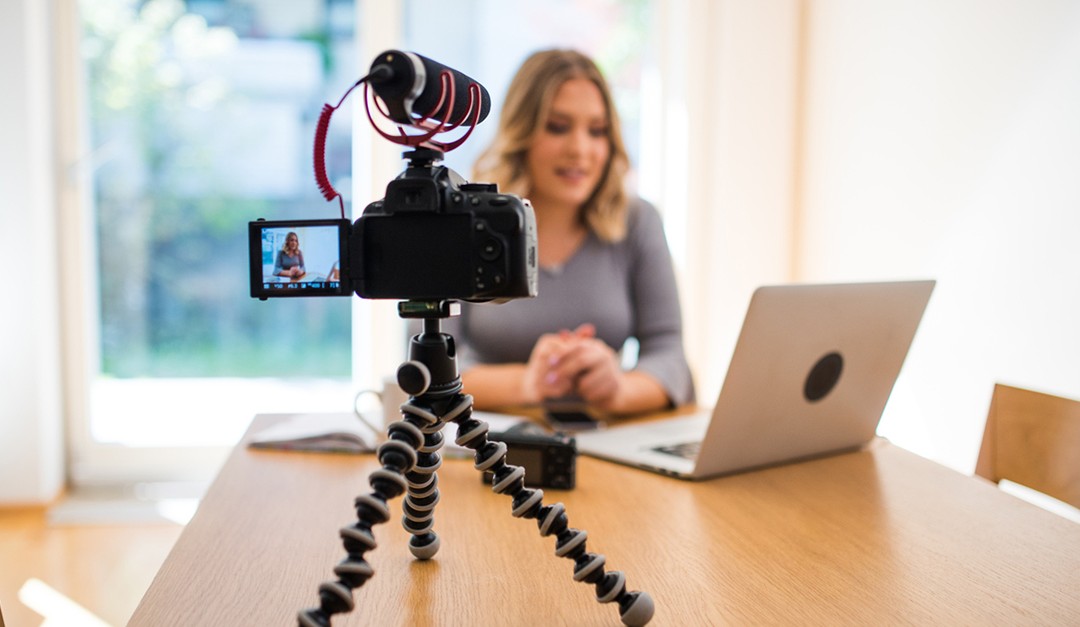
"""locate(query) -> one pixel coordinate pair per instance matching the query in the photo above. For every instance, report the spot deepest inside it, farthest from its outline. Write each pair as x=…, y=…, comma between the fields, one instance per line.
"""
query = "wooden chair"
x=1033, y=439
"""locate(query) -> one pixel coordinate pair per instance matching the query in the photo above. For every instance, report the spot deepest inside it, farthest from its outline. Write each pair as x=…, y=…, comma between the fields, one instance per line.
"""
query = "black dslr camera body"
x=436, y=237
x=433, y=237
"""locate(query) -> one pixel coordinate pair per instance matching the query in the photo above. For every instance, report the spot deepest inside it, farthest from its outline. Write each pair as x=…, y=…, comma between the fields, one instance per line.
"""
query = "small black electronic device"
x=571, y=421
x=550, y=461
x=570, y=417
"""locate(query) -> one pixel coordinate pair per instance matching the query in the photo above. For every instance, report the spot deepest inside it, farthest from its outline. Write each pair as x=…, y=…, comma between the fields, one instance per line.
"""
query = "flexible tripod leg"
x=398, y=456
x=635, y=608
x=418, y=517
x=410, y=459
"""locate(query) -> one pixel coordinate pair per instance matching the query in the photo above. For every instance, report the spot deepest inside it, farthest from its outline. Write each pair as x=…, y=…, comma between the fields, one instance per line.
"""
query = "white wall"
x=31, y=452
x=943, y=140
x=837, y=140
x=731, y=84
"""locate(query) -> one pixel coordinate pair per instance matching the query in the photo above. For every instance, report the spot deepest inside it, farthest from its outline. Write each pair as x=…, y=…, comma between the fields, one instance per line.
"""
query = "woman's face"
x=570, y=150
x=291, y=242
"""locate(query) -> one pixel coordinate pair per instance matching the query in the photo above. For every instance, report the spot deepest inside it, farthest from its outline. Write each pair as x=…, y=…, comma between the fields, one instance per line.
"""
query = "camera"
x=550, y=461
x=434, y=236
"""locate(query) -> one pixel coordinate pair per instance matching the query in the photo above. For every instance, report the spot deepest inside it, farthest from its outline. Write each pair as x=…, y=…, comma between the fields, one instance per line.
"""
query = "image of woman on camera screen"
x=290, y=261
x=606, y=274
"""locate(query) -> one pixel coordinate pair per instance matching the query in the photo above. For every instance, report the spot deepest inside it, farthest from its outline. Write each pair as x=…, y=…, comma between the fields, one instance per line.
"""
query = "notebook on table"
x=811, y=372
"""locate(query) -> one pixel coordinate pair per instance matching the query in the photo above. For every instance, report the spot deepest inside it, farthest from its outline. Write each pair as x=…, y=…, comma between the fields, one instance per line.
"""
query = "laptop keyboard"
x=686, y=450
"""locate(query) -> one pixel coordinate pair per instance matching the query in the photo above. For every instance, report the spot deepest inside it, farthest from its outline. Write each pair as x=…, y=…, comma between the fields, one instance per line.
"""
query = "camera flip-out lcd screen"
x=298, y=258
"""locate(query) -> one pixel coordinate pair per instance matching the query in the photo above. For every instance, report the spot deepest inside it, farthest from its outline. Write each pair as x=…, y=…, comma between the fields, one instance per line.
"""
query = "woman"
x=605, y=270
x=290, y=261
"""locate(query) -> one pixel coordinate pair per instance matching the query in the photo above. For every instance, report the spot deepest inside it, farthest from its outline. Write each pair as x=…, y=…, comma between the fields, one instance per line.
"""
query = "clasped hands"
x=574, y=363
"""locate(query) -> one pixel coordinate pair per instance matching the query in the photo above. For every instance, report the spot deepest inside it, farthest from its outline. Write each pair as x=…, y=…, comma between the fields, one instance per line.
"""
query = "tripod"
x=410, y=459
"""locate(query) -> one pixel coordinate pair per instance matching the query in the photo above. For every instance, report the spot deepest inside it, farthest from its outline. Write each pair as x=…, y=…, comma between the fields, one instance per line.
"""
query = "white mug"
x=391, y=397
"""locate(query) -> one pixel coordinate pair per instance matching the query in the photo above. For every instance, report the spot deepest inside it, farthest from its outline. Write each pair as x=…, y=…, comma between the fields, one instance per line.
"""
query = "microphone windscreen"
x=395, y=79
x=429, y=98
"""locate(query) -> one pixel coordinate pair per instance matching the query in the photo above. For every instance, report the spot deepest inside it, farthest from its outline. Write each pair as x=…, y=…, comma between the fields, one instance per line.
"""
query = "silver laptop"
x=810, y=375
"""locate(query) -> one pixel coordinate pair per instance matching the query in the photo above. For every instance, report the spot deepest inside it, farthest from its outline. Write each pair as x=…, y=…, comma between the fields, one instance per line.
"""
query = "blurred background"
x=783, y=141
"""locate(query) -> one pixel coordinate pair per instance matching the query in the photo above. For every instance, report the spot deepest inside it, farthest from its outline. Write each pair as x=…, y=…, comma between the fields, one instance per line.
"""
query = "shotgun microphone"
x=410, y=85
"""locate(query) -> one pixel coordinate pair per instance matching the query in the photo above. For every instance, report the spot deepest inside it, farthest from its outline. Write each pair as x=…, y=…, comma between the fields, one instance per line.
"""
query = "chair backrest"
x=1033, y=439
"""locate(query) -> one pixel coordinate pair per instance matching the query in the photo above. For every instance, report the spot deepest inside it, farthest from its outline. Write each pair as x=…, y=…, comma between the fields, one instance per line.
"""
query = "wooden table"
x=879, y=536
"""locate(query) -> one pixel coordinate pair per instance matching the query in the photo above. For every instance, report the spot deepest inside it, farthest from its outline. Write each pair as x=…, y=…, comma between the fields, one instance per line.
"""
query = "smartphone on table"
x=570, y=416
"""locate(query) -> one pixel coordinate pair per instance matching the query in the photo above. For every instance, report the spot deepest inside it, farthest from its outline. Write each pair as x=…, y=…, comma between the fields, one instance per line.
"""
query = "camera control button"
x=490, y=249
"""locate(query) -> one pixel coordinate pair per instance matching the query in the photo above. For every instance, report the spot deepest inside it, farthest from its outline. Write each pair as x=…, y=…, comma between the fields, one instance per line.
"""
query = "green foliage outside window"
x=179, y=157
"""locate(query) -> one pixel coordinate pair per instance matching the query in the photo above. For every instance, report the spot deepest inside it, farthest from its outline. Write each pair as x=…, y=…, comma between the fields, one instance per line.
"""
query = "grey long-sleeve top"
x=286, y=262
x=626, y=289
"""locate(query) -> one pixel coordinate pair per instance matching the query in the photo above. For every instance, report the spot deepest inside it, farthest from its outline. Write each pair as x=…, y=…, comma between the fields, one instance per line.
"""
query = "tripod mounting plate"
x=427, y=309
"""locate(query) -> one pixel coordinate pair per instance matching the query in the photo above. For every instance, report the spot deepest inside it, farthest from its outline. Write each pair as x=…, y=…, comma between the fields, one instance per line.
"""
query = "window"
x=200, y=117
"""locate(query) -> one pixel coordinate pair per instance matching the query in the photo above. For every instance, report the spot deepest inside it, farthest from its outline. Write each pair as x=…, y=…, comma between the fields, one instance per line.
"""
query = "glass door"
x=200, y=116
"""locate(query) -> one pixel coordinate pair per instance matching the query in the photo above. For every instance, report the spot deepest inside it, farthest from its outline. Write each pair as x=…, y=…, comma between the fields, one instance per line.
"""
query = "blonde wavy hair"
x=525, y=111
x=285, y=245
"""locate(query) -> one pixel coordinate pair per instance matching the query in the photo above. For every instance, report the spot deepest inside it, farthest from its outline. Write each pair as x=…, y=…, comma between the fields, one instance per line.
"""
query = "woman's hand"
x=540, y=380
x=565, y=363
x=591, y=366
x=573, y=362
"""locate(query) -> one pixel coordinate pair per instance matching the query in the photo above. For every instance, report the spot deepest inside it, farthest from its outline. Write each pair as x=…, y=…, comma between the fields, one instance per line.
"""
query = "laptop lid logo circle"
x=823, y=377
